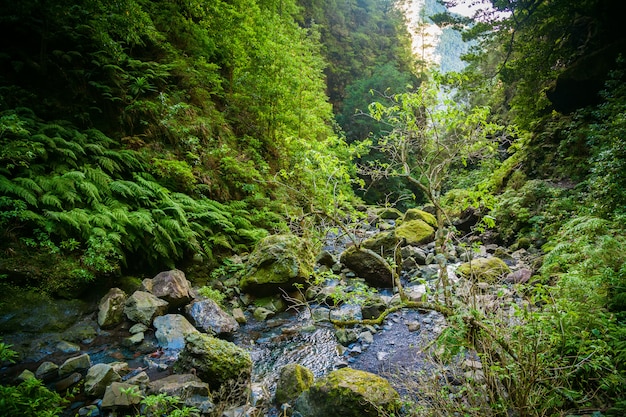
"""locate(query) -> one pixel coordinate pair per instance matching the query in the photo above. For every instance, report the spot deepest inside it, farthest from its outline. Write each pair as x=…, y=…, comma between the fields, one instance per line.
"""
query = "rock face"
x=348, y=393
x=215, y=361
x=208, y=317
x=171, y=286
x=293, y=380
x=277, y=262
x=488, y=270
x=368, y=265
x=171, y=330
x=416, y=232
x=143, y=307
x=111, y=308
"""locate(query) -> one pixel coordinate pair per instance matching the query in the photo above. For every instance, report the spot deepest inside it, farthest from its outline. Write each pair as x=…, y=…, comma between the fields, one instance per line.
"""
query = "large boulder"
x=143, y=307
x=348, y=392
x=368, y=265
x=209, y=317
x=191, y=391
x=98, y=378
x=415, y=232
x=171, y=330
x=171, y=286
x=292, y=381
x=277, y=262
x=382, y=243
x=111, y=308
x=490, y=270
x=417, y=214
x=215, y=361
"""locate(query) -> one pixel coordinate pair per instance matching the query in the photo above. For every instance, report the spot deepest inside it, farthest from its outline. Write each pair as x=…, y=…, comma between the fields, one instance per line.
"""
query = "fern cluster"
x=76, y=190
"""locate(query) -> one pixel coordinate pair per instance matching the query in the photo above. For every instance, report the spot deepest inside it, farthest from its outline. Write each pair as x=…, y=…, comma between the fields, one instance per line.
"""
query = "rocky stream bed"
x=145, y=337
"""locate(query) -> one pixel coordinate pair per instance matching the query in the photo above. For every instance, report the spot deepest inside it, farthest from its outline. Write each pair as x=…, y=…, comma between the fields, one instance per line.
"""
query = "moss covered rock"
x=382, y=243
x=484, y=269
x=348, y=392
x=278, y=261
x=215, y=361
x=417, y=214
x=293, y=380
x=368, y=265
x=416, y=232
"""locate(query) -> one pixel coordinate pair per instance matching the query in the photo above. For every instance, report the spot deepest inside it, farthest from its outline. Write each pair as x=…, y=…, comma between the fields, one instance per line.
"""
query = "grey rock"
x=189, y=388
x=47, y=371
x=209, y=317
x=118, y=395
x=98, y=378
x=171, y=330
x=111, y=308
x=143, y=307
x=77, y=363
x=173, y=287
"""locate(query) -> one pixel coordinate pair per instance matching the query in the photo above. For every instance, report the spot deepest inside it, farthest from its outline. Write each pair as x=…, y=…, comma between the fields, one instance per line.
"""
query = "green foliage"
x=212, y=293
x=30, y=399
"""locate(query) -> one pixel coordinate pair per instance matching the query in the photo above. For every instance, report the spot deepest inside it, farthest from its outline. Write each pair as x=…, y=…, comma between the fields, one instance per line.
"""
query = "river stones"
x=209, y=317
x=118, y=394
x=368, y=265
x=111, y=308
x=171, y=286
x=143, y=307
x=277, y=262
x=98, y=378
x=215, y=361
x=489, y=270
x=292, y=381
x=77, y=363
x=191, y=391
x=348, y=392
x=171, y=330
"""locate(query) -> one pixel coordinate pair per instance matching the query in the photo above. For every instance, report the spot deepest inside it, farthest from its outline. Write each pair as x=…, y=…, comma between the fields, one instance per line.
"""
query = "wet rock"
x=143, y=307
x=171, y=286
x=98, y=378
x=140, y=379
x=188, y=387
x=77, y=363
x=292, y=381
x=67, y=347
x=262, y=314
x=171, y=330
x=118, y=395
x=415, y=293
x=373, y=307
x=489, y=270
x=415, y=232
x=414, y=326
x=368, y=265
x=69, y=381
x=348, y=393
x=209, y=317
x=25, y=375
x=89, y=411
x=215, y=361
x=277, y=262
x=347, y=312
x=47, y=371
x=111, y=308
x=135, y=339
x=346, y=336
x=138, y=328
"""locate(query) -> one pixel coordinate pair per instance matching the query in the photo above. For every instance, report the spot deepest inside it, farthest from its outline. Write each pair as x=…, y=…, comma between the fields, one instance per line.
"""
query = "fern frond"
x=51, y=200
x=94, y=149
x=108, y=164
x=28, y=184
x=91, y=191
x=9, y=187
x=74, y=175
x=98, y=177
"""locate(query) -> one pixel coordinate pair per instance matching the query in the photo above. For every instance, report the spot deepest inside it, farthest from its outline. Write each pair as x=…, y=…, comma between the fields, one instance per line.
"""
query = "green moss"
x=417, y=214
x=416, y=232
x=384, y=242
x=215, y=361
x=349, y=393
x=484, y=269
x=294, y=379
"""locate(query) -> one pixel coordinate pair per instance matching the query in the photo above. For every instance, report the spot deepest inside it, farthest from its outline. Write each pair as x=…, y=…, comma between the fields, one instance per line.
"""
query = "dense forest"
x=142, y=135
